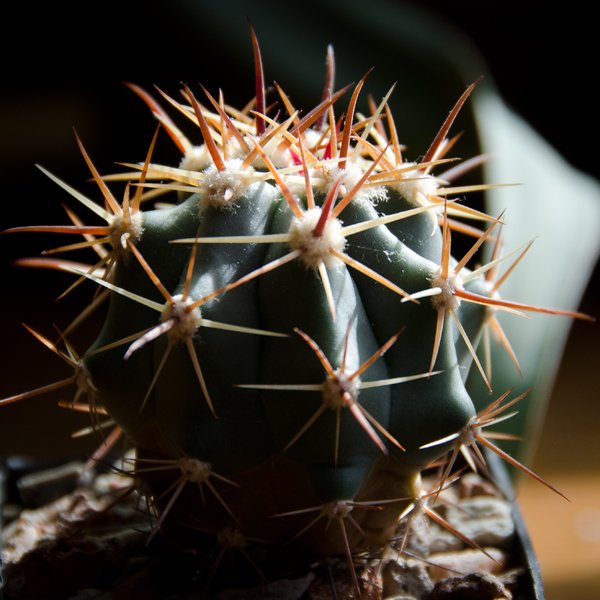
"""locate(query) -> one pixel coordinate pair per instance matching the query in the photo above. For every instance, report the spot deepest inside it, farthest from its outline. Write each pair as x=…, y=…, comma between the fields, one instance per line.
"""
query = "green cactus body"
x=333, y=431
x=292, y=334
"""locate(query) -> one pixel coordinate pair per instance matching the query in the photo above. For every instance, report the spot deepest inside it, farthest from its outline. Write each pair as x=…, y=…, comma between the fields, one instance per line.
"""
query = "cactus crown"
x=288, y=331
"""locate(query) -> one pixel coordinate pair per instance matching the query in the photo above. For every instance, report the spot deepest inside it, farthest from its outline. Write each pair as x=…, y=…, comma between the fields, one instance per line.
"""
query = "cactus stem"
x=181, y=318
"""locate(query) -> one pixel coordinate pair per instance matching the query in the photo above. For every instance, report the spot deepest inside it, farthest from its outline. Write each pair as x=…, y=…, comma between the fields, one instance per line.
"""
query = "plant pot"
x=104, y=558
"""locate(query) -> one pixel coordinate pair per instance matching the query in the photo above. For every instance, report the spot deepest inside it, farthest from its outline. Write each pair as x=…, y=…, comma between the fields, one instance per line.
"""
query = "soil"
x=96, y=540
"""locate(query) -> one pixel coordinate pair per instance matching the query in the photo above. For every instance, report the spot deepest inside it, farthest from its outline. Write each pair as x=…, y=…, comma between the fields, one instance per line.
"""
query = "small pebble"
x=450, y=564
x=406, y=578
x=476, y=586
x=487, y=521
x=471, y=484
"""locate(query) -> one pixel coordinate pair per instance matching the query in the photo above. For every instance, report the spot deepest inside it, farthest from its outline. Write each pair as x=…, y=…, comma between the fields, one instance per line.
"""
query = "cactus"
x=287, y=342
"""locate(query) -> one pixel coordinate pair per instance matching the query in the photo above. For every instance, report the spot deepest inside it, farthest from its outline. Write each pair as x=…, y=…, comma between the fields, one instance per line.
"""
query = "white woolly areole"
x=335, y=388
x=418, y=186
x=350, y=175
x=316, y=249
x=185, y=321
x=194, y=470
x=222, y=189
x=280, y=157
x=448, y=285
x=197, y=159
x=311, y=137
x=123, y=230
x=468, y=434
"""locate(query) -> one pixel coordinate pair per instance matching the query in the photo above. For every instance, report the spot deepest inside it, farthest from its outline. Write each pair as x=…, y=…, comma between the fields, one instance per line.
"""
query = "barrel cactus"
x=288, y=335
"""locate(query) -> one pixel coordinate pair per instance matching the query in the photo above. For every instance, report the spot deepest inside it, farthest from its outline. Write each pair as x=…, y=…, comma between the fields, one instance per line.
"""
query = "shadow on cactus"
x=288, y=334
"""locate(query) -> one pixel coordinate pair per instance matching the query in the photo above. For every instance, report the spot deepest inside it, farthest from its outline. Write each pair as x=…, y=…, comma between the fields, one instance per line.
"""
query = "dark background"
x=63, y=66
